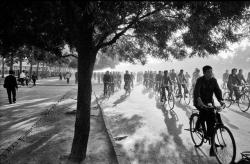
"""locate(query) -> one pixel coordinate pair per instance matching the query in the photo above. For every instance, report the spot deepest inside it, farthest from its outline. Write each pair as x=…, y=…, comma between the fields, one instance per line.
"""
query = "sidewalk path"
x=52, y=135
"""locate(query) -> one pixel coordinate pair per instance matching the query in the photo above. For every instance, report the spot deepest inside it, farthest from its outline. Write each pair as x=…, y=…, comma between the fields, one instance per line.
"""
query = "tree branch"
x=70, y=55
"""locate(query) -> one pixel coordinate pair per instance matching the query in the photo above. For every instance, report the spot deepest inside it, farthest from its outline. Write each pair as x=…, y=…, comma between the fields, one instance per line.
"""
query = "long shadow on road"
x=120, y=100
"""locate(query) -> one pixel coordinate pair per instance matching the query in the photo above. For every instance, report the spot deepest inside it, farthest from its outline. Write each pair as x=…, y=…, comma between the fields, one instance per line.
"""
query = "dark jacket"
x=10, y=82
x=127, y=77
x=233, y=80
x=106, y=78
x=205, y=89
x=166, y=80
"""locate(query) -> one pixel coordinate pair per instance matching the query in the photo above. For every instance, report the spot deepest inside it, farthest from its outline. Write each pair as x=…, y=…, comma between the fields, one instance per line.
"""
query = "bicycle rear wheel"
x=227, y=99
x=196, y=135
x=244, y=103
x=223, y=144
x=171, y=101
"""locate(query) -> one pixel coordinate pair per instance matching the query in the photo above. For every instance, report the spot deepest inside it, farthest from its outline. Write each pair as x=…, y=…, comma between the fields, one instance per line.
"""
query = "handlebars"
x=216, y=108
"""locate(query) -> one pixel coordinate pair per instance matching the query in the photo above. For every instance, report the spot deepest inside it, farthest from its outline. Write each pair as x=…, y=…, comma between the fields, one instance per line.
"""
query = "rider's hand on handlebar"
x=222, y=103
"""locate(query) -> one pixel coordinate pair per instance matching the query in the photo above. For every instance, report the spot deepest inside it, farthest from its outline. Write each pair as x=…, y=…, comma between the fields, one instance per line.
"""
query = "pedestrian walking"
x=34, y=78
x=67, y=76
x=10, y=84
x=22, y=77
x=60, y=75
x=27, y=78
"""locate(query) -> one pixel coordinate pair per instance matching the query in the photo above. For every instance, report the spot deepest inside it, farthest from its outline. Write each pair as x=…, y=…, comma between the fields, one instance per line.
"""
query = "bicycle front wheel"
x=244, y=103
x=227, y=99
x=223, y=144
x=196, y=135
x=171, y=101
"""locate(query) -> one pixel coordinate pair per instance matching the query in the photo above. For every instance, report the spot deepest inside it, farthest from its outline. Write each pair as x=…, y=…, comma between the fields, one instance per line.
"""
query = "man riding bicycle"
x=233, y=83
x=182, y=82
x=106, y=82
x=158, y=80
x=173, y=78
x=225, y=78
x=166, y=84
x=127, y=80
x=204, y=89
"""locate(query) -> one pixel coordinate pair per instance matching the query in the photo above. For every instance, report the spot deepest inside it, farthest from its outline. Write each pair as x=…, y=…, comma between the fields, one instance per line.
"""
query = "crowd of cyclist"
x=113, y=80
x=233, y=81
x=170, y=81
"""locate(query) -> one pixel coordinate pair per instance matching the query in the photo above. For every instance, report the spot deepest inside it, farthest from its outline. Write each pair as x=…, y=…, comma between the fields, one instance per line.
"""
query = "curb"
x=120, y=158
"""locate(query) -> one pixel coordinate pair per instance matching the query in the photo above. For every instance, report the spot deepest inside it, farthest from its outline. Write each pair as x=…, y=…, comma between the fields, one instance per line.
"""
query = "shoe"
x=211, y=152
x=14, y=102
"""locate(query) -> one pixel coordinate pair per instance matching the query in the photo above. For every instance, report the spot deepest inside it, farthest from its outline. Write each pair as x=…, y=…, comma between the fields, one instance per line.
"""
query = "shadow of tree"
x=120, y=100
x=122, y=125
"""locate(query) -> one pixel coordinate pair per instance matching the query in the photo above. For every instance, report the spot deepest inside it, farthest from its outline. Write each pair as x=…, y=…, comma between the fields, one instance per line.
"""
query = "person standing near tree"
x=10, y=84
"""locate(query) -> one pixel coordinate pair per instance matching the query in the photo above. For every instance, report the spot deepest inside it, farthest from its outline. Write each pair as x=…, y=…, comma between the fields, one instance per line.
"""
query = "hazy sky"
x=237, y=56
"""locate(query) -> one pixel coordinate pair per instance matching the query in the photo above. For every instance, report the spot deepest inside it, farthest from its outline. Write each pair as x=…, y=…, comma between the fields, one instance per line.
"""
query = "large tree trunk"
x=3, y=67
x=11, y=62
x=86, y=60
x=82, y=124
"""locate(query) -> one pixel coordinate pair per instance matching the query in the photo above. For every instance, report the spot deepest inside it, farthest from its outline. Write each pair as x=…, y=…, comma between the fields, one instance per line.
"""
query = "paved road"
x=17, y=118
x=152, y=134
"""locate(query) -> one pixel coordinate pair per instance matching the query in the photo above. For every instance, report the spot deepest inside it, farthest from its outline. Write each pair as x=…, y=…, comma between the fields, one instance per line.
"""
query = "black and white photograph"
x=124, y=82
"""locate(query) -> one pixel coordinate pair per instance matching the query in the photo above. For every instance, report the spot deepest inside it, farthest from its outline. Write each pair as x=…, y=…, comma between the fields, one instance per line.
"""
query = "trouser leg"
x=236, y=92
x=13, y=90
x=179, y=88
x=9, y=95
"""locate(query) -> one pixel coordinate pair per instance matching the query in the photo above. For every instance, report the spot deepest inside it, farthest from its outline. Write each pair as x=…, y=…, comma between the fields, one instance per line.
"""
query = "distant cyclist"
x=196, y=75
x=225, y=79
x=233, y=83
x=166, y=85
x=106, y=82
x=127, y=80
x=182, y=82
x=158, y=80
x=173, y=78
x=187, y=76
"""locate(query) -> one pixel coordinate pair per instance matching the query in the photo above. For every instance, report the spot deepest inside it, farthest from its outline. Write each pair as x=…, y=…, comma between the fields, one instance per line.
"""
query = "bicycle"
x=187, y=96
x=221, y=137
x=244, y=100
x=109, y=91
x=169, y=97
x=127, y=88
